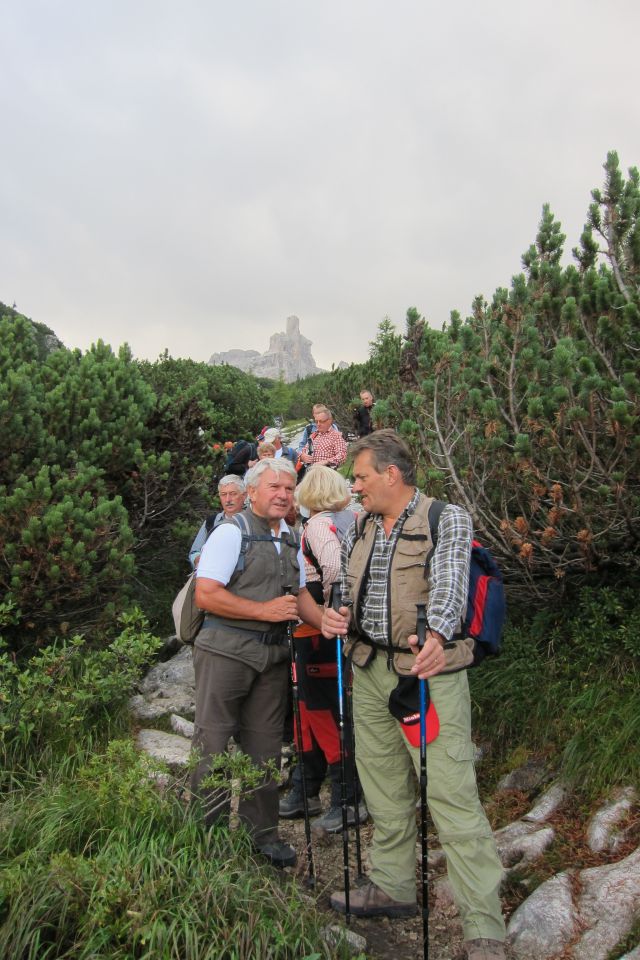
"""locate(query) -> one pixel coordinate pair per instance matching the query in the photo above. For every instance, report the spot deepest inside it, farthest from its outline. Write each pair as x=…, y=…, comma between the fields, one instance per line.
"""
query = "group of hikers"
x=337, y=601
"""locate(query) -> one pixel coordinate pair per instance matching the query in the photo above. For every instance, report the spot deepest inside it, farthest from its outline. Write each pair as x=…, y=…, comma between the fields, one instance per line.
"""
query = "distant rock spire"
x=289, y=356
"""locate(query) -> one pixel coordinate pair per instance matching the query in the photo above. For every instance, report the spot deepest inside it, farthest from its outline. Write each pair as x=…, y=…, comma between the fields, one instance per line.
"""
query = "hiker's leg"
x=222, y=685
x=260, y=734
x=473, y=866
x=385, y=770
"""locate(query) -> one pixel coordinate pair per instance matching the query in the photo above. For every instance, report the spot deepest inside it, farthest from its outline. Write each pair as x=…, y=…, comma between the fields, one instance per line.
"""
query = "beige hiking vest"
x=408, y=586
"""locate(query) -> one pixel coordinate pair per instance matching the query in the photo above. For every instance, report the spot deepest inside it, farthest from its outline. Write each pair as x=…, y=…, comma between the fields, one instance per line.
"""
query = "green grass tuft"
x=104, y=864
x=569, y=685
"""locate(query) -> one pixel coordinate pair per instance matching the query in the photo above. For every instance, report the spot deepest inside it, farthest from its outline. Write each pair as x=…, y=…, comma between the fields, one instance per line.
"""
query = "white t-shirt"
x=221, y=551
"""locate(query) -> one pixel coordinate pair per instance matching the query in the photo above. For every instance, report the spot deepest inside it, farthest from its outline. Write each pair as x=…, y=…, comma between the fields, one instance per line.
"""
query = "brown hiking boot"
x=483, y=949
x=370, y=901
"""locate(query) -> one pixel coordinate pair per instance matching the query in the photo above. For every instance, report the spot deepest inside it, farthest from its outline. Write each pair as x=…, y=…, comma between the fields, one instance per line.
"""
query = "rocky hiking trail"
x=572, y=879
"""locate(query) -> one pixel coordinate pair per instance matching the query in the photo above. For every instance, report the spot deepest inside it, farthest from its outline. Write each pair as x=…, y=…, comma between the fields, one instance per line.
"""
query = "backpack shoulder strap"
x=310, y=555
x=290, y=540
x=361, y=521
x=435, y=512
x=245, y=530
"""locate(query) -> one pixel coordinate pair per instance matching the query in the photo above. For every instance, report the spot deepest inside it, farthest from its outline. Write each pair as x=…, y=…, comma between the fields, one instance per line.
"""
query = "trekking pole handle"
x=286, y=591
x=336, y=599
x=421, y=624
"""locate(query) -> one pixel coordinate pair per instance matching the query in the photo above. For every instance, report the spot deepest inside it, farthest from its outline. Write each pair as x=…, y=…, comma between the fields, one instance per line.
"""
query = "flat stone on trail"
x=601, y=833
x=154, y=707
x=185, y=728
x=593, y=910
x=526, y=778
x=178, y=671
x=171, y=749
x=335, y=934
x=546, y=804
x=521, y=842
x=544, y=924
x=609, y=905
x=168, y=688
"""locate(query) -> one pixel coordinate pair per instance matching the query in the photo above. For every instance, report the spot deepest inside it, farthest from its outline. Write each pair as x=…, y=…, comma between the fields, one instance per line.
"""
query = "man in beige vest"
x=383, y=578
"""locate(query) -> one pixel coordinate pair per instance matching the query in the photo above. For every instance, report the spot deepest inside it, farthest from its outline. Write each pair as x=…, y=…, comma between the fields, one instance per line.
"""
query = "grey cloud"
x=189, y=176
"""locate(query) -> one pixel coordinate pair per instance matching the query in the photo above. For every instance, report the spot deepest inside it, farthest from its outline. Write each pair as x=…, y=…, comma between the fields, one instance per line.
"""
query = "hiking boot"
x=292, y=805
x=370, y=901
x=483, y=949
x=331, y=821
x=278, y=853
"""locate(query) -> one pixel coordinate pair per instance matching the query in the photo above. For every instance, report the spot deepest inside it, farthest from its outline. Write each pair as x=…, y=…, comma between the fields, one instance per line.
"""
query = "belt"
x=365, y=638
x=275, y=634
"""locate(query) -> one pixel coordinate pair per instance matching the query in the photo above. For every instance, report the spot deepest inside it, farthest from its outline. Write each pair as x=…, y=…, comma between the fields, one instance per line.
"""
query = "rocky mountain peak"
x=289, y=356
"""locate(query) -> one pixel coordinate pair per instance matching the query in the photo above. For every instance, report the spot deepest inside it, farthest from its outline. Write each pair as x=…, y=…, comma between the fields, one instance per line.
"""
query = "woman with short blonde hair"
x=325, y=494
x=323, y=489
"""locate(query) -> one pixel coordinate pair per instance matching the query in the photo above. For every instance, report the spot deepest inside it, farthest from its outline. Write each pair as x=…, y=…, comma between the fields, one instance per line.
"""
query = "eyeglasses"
x=324, y=420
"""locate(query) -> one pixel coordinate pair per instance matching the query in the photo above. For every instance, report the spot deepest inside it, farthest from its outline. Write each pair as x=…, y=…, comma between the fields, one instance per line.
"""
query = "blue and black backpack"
x=486, y=602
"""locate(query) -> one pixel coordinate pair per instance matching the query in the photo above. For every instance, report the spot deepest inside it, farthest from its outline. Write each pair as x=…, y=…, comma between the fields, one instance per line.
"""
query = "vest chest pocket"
x=409, y=584
x=410, y=558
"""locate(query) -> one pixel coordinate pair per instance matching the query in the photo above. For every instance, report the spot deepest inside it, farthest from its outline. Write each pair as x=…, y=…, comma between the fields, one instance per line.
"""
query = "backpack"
x=187, y=616
x=486, y=602
x=237, y=461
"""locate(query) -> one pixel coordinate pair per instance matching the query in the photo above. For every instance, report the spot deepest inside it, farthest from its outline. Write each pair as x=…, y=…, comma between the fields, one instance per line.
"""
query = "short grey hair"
x=280, y=465
x=387, y=448
x=231, y=479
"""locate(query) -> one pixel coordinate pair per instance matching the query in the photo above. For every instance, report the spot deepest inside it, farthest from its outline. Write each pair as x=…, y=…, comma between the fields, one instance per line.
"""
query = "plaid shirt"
x=448, y=573
x=329, y=446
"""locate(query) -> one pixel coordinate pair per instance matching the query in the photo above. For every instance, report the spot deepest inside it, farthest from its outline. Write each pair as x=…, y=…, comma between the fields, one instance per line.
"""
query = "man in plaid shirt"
x=383, y=575
x=329, y=447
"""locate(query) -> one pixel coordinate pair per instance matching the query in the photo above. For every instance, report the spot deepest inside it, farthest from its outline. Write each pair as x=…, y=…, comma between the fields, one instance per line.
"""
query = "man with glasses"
x=311, y=428
x=328, y=446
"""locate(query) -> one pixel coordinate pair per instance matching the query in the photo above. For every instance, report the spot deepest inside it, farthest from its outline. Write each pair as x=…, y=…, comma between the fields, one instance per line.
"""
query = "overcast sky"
x=186, y=175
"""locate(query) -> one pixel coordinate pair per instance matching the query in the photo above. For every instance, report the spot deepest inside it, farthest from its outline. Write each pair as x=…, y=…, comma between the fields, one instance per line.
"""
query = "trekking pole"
x=356, y=783
x=421, y=631
x=311, y=880
x=337, y=603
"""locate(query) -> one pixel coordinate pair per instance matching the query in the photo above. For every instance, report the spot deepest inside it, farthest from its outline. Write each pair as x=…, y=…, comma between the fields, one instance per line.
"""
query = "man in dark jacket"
x=238, y=458
x=362, y=417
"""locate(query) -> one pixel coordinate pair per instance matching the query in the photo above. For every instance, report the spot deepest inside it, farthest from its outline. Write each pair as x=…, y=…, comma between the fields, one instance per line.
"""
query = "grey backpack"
x=187, y=617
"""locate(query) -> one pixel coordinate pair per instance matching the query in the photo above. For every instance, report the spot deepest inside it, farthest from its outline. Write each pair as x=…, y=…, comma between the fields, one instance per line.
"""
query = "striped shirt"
x=448, y=573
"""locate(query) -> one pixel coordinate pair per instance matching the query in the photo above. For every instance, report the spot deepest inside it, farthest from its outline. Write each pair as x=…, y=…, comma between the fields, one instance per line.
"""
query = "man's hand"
x=214, y=597
x=335, y=623
x=306, y=458
x=431, y=659
x=279, y=609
